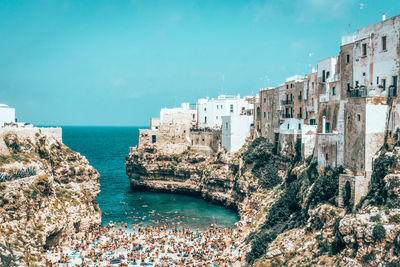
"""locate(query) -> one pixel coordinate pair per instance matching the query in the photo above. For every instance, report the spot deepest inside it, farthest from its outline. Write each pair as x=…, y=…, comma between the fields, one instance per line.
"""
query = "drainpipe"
x=323, y=124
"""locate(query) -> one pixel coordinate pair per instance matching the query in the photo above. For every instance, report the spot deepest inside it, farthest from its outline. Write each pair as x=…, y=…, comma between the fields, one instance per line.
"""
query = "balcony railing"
x=287, y=102
x=286, y=116
x=363, y=91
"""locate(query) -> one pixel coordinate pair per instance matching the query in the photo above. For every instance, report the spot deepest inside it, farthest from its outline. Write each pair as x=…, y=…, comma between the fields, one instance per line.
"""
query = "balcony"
x=310, y=108
x=364, y=91
x=287, y=116
x=287, y=102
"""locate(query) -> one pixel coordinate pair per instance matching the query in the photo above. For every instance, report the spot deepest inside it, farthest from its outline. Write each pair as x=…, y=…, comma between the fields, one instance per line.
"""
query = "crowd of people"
x=118, y=245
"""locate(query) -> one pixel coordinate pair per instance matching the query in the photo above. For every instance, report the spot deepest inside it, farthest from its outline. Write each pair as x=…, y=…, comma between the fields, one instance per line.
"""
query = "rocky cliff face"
x=292, y=204
x=215, y=178
x=47, y=193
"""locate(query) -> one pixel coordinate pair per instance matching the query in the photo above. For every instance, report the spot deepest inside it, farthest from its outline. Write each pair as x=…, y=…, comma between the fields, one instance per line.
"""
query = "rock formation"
x=47, y=193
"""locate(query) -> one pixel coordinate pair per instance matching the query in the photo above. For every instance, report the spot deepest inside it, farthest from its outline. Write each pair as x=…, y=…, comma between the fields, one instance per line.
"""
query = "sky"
x=116, y=63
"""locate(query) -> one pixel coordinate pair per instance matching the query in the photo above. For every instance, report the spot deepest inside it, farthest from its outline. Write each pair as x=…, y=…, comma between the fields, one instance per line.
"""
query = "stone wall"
x=359, y=188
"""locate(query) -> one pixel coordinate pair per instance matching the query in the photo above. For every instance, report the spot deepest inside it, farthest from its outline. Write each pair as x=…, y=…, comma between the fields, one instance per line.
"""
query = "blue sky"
x=110, y=62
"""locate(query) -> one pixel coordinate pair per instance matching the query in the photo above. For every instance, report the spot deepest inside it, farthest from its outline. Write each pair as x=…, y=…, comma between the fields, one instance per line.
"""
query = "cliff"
x=292, y=205
x=47, y=193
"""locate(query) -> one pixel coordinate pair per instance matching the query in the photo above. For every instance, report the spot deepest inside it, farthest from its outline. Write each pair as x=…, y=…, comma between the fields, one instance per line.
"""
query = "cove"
x=106, y=149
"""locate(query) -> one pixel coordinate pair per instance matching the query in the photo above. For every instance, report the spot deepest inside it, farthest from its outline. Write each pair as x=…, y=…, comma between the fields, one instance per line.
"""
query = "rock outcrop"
x=215, y=178
x=47, y=193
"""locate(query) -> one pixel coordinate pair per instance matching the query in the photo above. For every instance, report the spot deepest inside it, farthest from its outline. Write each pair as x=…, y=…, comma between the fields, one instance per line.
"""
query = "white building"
x=182, y=115
x=7, y=114
x=235, y=130
x=210, y=112
x=375, y=56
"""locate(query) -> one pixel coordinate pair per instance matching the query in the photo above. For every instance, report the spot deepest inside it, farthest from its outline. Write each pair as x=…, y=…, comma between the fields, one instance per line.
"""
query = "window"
x=268, y=116
x=357, y=84
x=287, y=86
x=205, y=119
x=299, y=126
x=153, y=139
x=384, y=43
x=323, y=76
x=312, y=121
x=327, y=127
x=288, y=125
x=384, y=84
x=364, y=49
x=264, y=114
x=364, y=74
x=326, y=156
x=334, y=90
x=205, y=109
x=265, y=100
x=312, y=85
x=226, y=125
x=347, y=59
x=377, y=79
x=327, y=74
x=348, y=87
x=216, y=117
x=231, y=108
x=358, y=117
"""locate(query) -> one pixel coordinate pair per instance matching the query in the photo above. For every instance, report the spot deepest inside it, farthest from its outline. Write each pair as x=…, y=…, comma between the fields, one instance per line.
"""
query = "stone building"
x=371, y=109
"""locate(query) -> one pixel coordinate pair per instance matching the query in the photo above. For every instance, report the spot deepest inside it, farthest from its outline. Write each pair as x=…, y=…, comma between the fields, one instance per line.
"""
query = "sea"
x=106, y=149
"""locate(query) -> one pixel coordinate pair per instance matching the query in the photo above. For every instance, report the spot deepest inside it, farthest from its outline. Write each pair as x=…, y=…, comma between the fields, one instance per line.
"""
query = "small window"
x=326, y=156
x=334, y=90
x=265, y=99
x=264, y=114
x=231, y=108
x=384, y=84
x=205, y=109
x=288, y=125
x=348, y=87
x=384, y=43
x=327, y=74
x=268, y=116
x=358, y=117
x=226, y=125
x=323, y=76
x=205, y=119
x=153, y=138
x=364, y=74
x=357, y=84
x=327, y=127
x=377, y=79
x=299, y=126
x=287, y=86
x=347, y=58
x=364, y=49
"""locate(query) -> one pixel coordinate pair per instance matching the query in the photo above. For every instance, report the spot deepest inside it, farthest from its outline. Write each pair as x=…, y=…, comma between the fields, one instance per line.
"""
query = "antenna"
x=360, y=6
x=223, y=81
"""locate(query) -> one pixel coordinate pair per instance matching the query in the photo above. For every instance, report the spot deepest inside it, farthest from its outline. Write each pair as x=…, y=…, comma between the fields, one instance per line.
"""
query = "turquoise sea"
x=106, y=149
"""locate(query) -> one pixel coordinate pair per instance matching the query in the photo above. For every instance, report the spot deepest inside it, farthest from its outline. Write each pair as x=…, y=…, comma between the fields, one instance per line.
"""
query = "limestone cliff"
x=292, y=204
x=47, y=193
x=215, y=178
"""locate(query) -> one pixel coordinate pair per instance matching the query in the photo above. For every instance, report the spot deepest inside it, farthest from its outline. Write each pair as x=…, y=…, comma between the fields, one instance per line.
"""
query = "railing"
x=287, y=102
x=363, y=91
x=309, y=108
x=286, y=116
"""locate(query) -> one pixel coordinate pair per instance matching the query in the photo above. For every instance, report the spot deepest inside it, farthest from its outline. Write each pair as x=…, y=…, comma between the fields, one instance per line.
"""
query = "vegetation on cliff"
x=47, y=192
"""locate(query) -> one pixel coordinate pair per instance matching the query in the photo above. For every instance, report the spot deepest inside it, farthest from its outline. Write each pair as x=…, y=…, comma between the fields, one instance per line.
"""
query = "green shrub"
x=394, y=218
x=259, y=245
x=378, y=233
x=367, y=258
x=259, y=151
x=267, y=175
x=325, y=189
x=377, y=193
x=376, y=218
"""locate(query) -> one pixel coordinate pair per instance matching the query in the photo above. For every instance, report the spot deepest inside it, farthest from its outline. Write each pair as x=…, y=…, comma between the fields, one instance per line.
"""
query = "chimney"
x=383, y=16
